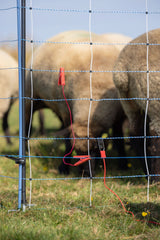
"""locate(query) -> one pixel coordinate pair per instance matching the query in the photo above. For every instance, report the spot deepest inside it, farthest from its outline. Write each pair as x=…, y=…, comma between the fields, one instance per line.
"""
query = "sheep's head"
x=82, y=142
x=81, y=138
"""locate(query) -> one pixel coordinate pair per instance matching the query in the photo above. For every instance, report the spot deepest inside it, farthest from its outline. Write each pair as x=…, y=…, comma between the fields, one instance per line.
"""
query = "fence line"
x=91, y=71
x=64, y=10
x=6, y=9
x=147, y=102
x=88, y=71
x=31, y=111
x=88, y=43
x=60, y=157
x=85, y=99
x=83, y=178
x=83, y=138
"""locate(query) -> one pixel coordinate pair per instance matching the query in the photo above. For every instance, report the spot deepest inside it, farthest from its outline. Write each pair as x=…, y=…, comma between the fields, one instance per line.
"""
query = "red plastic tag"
x=103, y=154
x=83, y=158
x=61, y=80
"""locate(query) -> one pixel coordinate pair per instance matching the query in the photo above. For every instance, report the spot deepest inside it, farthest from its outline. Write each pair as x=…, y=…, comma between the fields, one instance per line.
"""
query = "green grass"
x=62, y=207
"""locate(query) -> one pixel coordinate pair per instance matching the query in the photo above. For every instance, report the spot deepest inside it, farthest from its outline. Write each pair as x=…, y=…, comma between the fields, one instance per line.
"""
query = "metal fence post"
x=23, y=57
x=21, y=72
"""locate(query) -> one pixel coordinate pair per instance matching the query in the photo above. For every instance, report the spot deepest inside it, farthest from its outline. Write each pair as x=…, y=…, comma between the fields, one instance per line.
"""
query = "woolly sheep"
x=76, y=57
x=119, y=40
x=132, y=83
x=8, y=89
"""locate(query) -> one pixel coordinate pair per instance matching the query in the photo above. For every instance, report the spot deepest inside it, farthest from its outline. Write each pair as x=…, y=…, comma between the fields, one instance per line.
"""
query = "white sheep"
x=117, y=39
x=8, y=88
x=76, y=60
x=132, y=83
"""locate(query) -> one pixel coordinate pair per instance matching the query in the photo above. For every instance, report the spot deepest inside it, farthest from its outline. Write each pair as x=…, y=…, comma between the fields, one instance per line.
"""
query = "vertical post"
x=19, y=76
x=22, y=113
x=21, y=73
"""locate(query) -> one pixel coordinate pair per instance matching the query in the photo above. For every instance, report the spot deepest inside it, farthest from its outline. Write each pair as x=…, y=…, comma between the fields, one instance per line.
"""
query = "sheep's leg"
x=41, y=121
x=137, y=129
x=64, y=168
x=5, y=126
x=119, y=144
x=154, y=150
x=27, y=116
x=136, y=126
x=137, y=144
x=36, y=106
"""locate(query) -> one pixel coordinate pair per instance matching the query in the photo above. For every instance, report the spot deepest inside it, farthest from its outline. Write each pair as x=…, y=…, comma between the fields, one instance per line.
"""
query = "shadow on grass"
x=149, y=212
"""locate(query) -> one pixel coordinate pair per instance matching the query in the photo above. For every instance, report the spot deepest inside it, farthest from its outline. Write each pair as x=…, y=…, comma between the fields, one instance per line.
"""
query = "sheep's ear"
x=64, y=132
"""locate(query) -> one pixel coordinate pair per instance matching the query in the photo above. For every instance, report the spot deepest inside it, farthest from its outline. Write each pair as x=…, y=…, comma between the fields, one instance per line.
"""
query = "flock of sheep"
x=117, y=71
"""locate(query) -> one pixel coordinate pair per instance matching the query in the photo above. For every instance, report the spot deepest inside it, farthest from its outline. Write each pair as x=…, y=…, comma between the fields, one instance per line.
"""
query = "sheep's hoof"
x=63, y=169
x=9, y=141
x=124, y=165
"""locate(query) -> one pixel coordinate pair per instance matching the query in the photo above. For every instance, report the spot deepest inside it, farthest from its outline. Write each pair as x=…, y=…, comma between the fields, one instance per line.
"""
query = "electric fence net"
x=67, y=132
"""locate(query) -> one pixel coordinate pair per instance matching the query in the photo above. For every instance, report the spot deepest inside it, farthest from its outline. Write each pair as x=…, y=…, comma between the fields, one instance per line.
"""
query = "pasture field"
x=61, y=207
